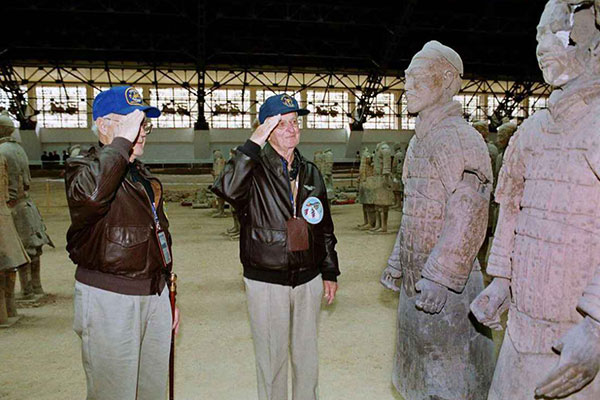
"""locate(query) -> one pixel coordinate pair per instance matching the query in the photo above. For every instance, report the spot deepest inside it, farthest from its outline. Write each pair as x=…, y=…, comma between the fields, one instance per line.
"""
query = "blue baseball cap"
x=121, y=100
x=279, y=104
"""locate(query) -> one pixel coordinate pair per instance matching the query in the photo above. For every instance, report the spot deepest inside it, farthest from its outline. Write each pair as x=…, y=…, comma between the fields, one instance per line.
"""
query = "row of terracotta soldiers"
x=380, y=185
x=22, y=231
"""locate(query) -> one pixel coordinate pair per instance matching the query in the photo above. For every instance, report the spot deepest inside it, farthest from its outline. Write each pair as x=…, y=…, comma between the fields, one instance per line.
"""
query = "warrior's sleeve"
x=465, y=170
x=509, y=191
x=233, y=184
x=12, y=176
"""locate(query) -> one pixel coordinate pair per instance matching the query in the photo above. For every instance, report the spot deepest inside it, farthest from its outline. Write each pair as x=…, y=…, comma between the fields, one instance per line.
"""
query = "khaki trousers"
x=284, y=319
x=125, y=343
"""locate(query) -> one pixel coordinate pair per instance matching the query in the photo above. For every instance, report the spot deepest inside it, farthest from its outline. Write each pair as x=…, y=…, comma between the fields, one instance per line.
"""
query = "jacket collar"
x=274, y=159
x=141, y=167
x=137, y=163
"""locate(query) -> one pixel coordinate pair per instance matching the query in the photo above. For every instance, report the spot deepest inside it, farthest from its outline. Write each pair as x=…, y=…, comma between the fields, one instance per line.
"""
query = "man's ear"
x=102, y=127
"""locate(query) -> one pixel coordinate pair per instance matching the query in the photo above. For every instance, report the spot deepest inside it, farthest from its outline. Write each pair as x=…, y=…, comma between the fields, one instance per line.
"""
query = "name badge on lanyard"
x=297, y=228
x=162, y=238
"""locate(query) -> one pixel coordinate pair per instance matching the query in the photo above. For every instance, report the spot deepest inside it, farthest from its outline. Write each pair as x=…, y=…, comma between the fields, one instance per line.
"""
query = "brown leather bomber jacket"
x=112, y=237
x=255, y=183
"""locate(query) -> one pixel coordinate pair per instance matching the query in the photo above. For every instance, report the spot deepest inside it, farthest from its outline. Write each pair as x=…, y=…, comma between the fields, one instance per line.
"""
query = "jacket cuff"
x=250, y=149
x=329, y=276
x=123, y=146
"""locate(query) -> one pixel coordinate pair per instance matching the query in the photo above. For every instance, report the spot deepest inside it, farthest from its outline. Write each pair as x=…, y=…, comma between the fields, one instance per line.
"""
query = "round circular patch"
x=287, y=100
x=312, y=210
x=133, y=97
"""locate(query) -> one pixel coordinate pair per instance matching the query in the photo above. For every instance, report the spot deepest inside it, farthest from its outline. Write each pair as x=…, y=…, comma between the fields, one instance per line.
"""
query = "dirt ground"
x=40, y=355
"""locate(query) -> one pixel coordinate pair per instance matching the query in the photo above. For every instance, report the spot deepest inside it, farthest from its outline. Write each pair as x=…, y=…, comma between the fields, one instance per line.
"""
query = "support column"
x=253, y=110
x=89, y=94
x=303, y=104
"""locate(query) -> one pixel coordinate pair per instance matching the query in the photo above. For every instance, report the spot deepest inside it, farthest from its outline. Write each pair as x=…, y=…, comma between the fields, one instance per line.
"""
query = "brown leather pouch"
x=297, y=234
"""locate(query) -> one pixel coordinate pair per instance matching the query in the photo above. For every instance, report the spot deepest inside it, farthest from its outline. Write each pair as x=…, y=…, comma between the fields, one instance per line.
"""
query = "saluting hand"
x=129, y=127
x=261, y=134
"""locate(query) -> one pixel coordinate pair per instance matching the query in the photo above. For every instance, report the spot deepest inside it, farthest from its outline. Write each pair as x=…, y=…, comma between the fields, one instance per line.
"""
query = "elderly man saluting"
x=120, y=241
x=287, y=247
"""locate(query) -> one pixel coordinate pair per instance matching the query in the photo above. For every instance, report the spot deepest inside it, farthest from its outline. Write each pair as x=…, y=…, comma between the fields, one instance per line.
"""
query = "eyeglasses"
x=284, y=124
x=146, y=124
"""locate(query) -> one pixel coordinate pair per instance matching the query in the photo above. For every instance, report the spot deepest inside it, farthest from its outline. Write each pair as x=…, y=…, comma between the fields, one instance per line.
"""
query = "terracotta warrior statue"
x=382, y=183
x=441, y=353
x=397, y=185
x=12, y=252
x=318, y=159
x=365, y=193
x=218, y=166
x=324, y=162
x=201, y=199
x=545, y=257
x=26, y=216
x=484, y=130
x=505, y=132
x=327, y=173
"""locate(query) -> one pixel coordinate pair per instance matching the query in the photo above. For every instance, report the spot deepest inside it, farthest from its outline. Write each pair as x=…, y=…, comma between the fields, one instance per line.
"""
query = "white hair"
x=95, y=128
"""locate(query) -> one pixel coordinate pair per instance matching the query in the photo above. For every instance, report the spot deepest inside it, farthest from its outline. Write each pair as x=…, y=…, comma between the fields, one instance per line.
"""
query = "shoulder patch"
x=312, y=210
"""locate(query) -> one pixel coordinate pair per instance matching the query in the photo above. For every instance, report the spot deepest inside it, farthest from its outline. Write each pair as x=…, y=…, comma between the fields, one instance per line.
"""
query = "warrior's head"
x=568, y=41
x=7, y=126
x=217, y=154
x=433, y=77
x=482, y=127
x=505, y=132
